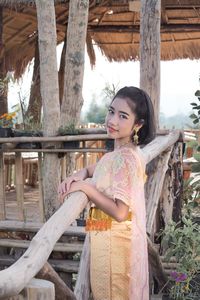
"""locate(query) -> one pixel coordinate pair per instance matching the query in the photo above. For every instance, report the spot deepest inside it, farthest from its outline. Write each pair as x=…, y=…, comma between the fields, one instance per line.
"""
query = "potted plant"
x=6, y=124
x=70, y=130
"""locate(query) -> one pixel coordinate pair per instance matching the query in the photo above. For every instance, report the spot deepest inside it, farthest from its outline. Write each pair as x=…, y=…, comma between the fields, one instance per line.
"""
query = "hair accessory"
x=135, y=135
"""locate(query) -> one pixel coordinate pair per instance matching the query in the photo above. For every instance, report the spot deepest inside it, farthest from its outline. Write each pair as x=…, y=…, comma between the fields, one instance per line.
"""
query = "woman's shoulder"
x=130, y=154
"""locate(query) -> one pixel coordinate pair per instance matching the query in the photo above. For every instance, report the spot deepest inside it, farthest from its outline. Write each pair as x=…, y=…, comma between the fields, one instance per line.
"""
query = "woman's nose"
x=113, y=120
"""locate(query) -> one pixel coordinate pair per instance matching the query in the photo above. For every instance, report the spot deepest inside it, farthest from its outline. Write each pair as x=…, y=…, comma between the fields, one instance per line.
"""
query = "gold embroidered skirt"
x=110, y=262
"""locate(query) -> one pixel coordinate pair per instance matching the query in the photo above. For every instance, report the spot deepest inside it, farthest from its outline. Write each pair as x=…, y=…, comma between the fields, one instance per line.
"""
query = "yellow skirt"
x=110, y=262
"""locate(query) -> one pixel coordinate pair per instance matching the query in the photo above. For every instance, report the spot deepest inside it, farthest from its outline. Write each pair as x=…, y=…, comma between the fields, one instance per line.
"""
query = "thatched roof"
x=113, y=26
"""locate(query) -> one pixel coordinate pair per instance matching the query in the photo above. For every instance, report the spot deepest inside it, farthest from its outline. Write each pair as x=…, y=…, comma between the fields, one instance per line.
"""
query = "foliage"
x=4, y=82
x=97, y=112
x=182, y=241
x=68, y=129
x=196, y=107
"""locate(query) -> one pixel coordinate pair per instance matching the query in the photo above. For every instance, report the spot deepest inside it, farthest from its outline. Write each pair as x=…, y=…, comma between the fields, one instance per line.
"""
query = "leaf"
x=196, y=121
x=197, y=93
x=193, y=104
x=193, y=116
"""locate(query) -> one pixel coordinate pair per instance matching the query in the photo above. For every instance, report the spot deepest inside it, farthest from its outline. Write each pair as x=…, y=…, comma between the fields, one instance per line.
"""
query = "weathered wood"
x=60, y=265
x=61, y=247
x=82, y=287
x=15, y=278
x=19, y=179
x=81, y=137
x=34, y=227
x=160, y=144
x=2, y=188
x=156, y=265
x=39, y=289
x=154, y=188
x=150, y=51
x=50, y=98
x=62, y=292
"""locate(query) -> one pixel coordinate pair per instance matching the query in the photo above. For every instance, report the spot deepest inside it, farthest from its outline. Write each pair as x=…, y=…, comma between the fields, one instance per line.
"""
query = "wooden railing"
x=16, y=278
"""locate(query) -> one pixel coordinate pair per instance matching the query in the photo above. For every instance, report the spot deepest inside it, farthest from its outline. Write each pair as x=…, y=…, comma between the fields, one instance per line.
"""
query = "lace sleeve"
x=124, y=176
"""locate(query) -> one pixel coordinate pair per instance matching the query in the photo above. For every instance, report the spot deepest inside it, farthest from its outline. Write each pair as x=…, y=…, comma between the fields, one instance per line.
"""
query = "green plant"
x=182, y=241
x=196, y=107
x=68, y=129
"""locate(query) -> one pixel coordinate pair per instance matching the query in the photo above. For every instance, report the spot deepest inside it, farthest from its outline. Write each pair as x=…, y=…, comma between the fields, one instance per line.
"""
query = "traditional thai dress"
x=119, y=262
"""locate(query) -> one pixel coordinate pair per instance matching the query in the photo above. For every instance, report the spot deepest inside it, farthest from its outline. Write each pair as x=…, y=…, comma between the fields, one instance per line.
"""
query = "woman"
x=117, y=221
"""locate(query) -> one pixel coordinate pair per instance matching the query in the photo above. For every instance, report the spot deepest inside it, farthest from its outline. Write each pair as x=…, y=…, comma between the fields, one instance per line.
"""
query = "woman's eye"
x=123, y=117
x=110, y=111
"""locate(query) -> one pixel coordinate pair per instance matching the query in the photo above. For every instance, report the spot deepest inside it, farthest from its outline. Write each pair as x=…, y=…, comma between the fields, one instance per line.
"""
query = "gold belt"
x=100, y=221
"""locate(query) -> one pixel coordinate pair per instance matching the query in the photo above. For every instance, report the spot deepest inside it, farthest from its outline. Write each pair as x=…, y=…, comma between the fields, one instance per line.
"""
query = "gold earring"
x=135, y=135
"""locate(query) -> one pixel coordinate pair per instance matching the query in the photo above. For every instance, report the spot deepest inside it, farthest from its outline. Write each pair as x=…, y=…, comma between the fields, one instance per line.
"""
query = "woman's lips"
x=111, y=130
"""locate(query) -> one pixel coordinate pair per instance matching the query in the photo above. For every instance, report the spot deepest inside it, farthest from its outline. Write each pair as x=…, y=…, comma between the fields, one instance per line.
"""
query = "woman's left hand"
x=76, y=186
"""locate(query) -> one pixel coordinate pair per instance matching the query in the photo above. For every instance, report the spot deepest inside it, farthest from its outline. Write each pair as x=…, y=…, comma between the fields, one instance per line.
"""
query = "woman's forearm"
x=116, y=209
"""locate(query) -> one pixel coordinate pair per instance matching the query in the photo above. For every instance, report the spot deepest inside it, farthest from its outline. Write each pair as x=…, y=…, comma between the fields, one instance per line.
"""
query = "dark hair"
x=141, y=104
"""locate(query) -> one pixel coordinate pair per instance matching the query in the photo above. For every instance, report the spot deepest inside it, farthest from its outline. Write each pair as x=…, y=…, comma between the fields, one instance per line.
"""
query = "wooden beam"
x=61, y=247
x=34, y=227
x=165, y=28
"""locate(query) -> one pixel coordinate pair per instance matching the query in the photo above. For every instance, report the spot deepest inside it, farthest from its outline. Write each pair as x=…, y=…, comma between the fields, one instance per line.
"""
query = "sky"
x=179, y=81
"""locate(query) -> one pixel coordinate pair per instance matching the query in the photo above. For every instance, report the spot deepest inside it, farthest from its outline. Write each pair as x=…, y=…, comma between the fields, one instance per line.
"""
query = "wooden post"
x=41, y=196
x=2, y=188
x=19, y=179
x=82, y=288
x=39, y=289
x=50, y=99
x=150, y=51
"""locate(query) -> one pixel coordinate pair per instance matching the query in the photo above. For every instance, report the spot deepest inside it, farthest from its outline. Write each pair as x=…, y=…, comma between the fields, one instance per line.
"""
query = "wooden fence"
x=164, y=158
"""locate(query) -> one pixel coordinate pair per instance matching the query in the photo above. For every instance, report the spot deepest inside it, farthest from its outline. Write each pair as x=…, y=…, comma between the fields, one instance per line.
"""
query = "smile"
x=111, y=130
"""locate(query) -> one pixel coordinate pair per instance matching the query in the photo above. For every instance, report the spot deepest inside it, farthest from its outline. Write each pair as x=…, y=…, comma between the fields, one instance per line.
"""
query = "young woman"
x=117, y=220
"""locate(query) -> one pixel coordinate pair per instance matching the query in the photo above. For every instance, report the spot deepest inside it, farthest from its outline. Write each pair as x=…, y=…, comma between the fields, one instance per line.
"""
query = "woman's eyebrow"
x=123, y=112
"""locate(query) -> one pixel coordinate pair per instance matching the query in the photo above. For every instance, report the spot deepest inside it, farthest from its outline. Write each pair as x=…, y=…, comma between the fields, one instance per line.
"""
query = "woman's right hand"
x=64, y=187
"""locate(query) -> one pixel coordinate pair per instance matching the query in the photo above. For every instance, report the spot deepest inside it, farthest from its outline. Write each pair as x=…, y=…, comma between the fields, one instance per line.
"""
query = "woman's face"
x=120, y=120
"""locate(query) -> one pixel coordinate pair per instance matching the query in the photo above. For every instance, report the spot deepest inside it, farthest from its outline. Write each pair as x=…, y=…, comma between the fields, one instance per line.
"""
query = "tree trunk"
x=35, y=100
x=4, y=89
x=150, y=51
x=50, y=99
x=74, y=67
